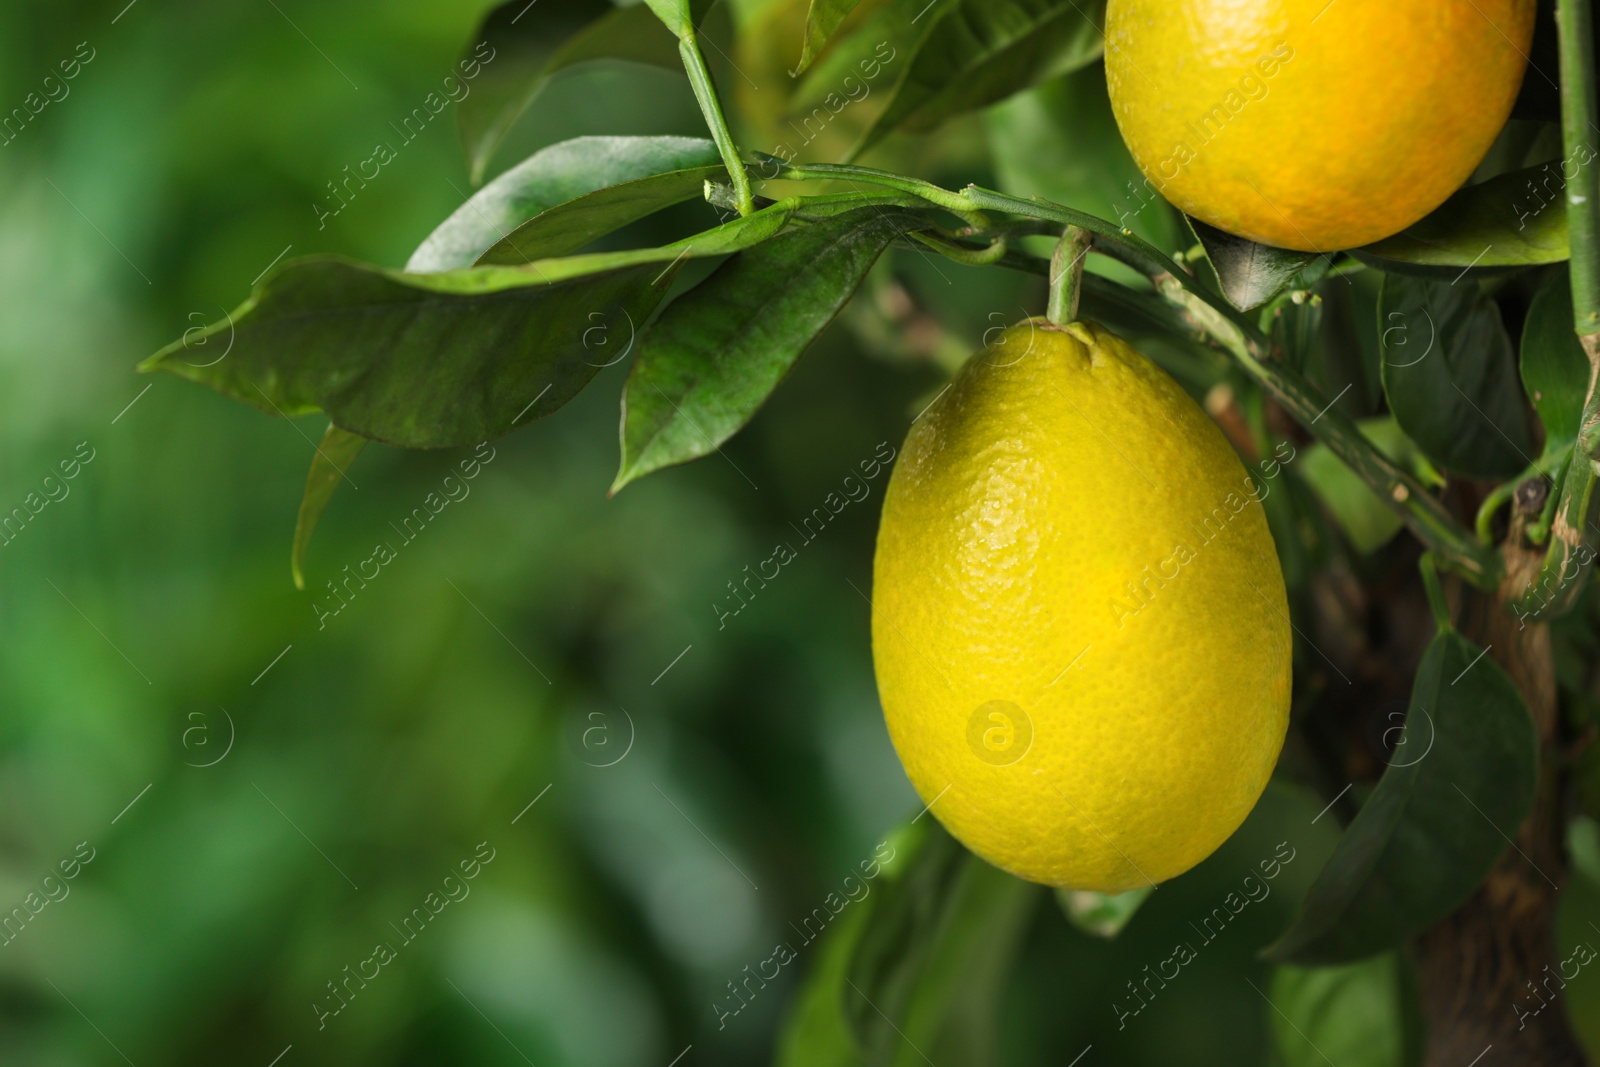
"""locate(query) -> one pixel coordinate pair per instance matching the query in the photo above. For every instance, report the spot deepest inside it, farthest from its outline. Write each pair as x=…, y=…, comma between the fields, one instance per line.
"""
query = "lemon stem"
x=1439, y=531
x=1066, y=275
x=1430, y=582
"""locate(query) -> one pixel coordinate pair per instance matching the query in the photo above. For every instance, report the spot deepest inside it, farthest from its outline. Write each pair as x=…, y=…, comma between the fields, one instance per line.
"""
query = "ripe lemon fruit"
x=1311, y=124
x=1079, y=623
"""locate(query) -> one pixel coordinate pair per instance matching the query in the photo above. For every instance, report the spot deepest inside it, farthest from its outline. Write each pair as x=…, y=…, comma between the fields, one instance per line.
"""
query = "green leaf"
x=334, y=455
x=1497, y=223
x=674, y=15
x=815, y=1033
x=1583, y=845
x=717, y=352
x=1458, y=788
x=976, y=52
x=1250, y=273
x=527, y=43
x=1450, y=376
x=927, y=976
x=553, y=176
x=1555, y=370
x=567, y=227
x=454, y=358
x=1101, y=914
x=1361, y=1015
x=872, y=55
x=822, y=19
x=919, y=969
x=1297, y=329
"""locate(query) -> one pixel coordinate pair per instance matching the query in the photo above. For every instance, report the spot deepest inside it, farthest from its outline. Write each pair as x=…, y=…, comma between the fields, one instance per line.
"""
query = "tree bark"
x=1481, y=965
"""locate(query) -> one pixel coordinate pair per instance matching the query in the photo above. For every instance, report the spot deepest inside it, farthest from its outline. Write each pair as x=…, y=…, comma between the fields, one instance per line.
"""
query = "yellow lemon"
x=1313, y=124
x=1079, y=623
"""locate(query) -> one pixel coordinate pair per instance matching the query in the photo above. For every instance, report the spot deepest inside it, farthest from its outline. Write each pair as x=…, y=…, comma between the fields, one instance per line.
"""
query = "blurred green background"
x=265, y=800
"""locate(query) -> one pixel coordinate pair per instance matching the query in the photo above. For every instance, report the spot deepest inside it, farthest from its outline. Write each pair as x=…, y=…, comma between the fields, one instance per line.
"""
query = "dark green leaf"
x=433, y=360
x=1361, y=1015
x=815, y=1033
x=1346, y=350
x=976, y=52
x=1450, y=376
x=1555, y=371
x=550, y=177
x=567, y=227
x=1518, y=146
x=334, y=455
x=916, y=967
x=1101, y=914
x=1297, y=329
x=1251, y=274
x=716, y=354
x=822, y=18
x=927, y=975
x=526, y=43
x=1457, y=790
x=1515, y=220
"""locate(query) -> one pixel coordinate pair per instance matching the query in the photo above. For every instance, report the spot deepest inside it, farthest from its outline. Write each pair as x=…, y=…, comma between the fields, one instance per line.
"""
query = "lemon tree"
x=1281, y=471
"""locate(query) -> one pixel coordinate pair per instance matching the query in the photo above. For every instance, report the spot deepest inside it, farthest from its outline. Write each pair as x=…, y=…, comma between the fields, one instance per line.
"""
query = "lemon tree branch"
x=1578, y=121
x=1454, y=545
x=1561, y=576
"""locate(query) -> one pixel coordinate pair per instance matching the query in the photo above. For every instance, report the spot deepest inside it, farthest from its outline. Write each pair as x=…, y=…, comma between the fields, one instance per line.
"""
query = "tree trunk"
x=1480, y=968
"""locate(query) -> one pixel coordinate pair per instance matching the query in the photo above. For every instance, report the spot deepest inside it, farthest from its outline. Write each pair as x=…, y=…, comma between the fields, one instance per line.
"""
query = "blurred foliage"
x=538, y=676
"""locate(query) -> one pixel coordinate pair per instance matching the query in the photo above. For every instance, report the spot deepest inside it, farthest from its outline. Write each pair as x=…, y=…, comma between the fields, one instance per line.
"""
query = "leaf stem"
x=959, y=253
x=1066, y=275
x=1498, y=497
x=1440, y=607
x=694, y=64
